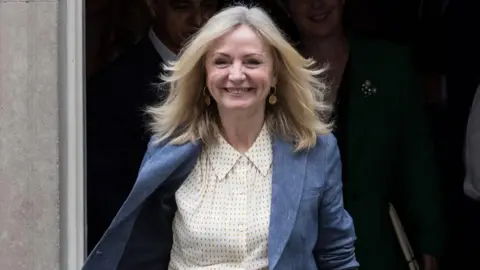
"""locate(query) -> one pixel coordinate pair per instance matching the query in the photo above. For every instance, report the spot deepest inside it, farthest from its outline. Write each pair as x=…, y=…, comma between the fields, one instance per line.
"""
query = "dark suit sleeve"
x=335, y=245
x=420, y=183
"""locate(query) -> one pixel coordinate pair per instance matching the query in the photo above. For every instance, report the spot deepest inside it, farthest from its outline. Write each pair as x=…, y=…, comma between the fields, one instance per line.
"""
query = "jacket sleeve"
x=336, y=236
x=420, y=181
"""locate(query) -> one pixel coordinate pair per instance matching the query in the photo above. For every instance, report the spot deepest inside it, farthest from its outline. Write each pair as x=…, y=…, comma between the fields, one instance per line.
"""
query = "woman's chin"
x=238, y=105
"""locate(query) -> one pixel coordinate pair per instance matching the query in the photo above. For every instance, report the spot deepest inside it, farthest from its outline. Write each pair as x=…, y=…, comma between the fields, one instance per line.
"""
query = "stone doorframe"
x=71, y=133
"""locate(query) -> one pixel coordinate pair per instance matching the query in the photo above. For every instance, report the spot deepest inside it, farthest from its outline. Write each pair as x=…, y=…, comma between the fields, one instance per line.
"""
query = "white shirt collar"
x=259, y=154
x=164, y=52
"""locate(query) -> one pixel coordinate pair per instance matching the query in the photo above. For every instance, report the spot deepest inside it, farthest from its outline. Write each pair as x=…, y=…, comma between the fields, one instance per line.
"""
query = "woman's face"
x=316, y=18
x=239, y=71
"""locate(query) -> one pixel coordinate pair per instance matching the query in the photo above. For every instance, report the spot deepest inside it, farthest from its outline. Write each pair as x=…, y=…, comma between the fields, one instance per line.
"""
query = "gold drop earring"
x=272, y=99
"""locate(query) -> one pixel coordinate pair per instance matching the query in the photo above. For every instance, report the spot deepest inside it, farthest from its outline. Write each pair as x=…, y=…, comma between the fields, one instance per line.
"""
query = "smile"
x=238, y=90
x=319, y=17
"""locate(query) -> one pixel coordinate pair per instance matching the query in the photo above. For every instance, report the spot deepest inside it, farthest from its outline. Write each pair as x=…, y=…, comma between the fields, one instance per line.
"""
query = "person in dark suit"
x=382, y=129
x=116, y=98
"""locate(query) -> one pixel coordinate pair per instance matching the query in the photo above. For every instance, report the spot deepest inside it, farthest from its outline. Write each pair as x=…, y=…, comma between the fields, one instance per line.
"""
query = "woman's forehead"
x=240, y=40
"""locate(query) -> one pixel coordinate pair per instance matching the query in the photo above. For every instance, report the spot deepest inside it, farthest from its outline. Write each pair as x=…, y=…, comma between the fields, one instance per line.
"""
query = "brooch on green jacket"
x=368, y=89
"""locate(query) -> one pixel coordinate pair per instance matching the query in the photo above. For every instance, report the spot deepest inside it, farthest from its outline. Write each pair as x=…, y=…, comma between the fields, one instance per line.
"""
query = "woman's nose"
x=236, y=73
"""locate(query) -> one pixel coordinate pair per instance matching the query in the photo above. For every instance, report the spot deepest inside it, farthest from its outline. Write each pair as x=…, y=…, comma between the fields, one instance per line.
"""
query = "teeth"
x=237, y=90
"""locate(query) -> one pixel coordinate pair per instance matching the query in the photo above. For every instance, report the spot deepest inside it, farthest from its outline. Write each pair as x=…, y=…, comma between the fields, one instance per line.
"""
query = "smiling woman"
x=240, y=75
x=231, y=180
x=244, y=51
x=240, y=71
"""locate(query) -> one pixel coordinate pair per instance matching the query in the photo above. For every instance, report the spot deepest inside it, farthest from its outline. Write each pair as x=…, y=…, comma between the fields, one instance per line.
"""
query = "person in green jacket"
x=383, y=134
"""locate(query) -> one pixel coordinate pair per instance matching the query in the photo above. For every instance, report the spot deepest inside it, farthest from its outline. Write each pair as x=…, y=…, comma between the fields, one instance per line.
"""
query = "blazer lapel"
x=287, y=188
x=166, y=162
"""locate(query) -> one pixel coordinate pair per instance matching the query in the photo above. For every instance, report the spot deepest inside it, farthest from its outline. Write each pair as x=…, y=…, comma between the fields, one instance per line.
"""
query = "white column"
x=41, y=162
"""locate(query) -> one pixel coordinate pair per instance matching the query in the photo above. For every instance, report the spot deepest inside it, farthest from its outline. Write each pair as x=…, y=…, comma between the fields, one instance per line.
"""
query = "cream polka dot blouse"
x=223, y=211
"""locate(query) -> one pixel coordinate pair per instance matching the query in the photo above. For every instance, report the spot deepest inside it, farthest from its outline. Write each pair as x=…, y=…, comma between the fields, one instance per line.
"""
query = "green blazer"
x=390, y=157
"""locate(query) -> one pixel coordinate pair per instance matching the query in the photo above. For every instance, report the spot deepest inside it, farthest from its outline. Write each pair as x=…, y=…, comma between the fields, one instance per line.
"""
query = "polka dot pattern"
x=223, y=213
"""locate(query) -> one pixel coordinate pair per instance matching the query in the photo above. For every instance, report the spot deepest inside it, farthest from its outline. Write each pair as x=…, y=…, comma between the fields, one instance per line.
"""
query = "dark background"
x=445, y=37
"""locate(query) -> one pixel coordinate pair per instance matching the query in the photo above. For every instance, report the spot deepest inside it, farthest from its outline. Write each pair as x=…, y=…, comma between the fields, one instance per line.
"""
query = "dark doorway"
x=443, y=35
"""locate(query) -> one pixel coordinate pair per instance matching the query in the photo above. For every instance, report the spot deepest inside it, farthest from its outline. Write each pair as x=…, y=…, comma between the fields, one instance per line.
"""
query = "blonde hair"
x=184, y=116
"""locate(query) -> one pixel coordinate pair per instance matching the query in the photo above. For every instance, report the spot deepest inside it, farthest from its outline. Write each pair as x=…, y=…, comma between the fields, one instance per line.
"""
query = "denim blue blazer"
x=309, y=228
